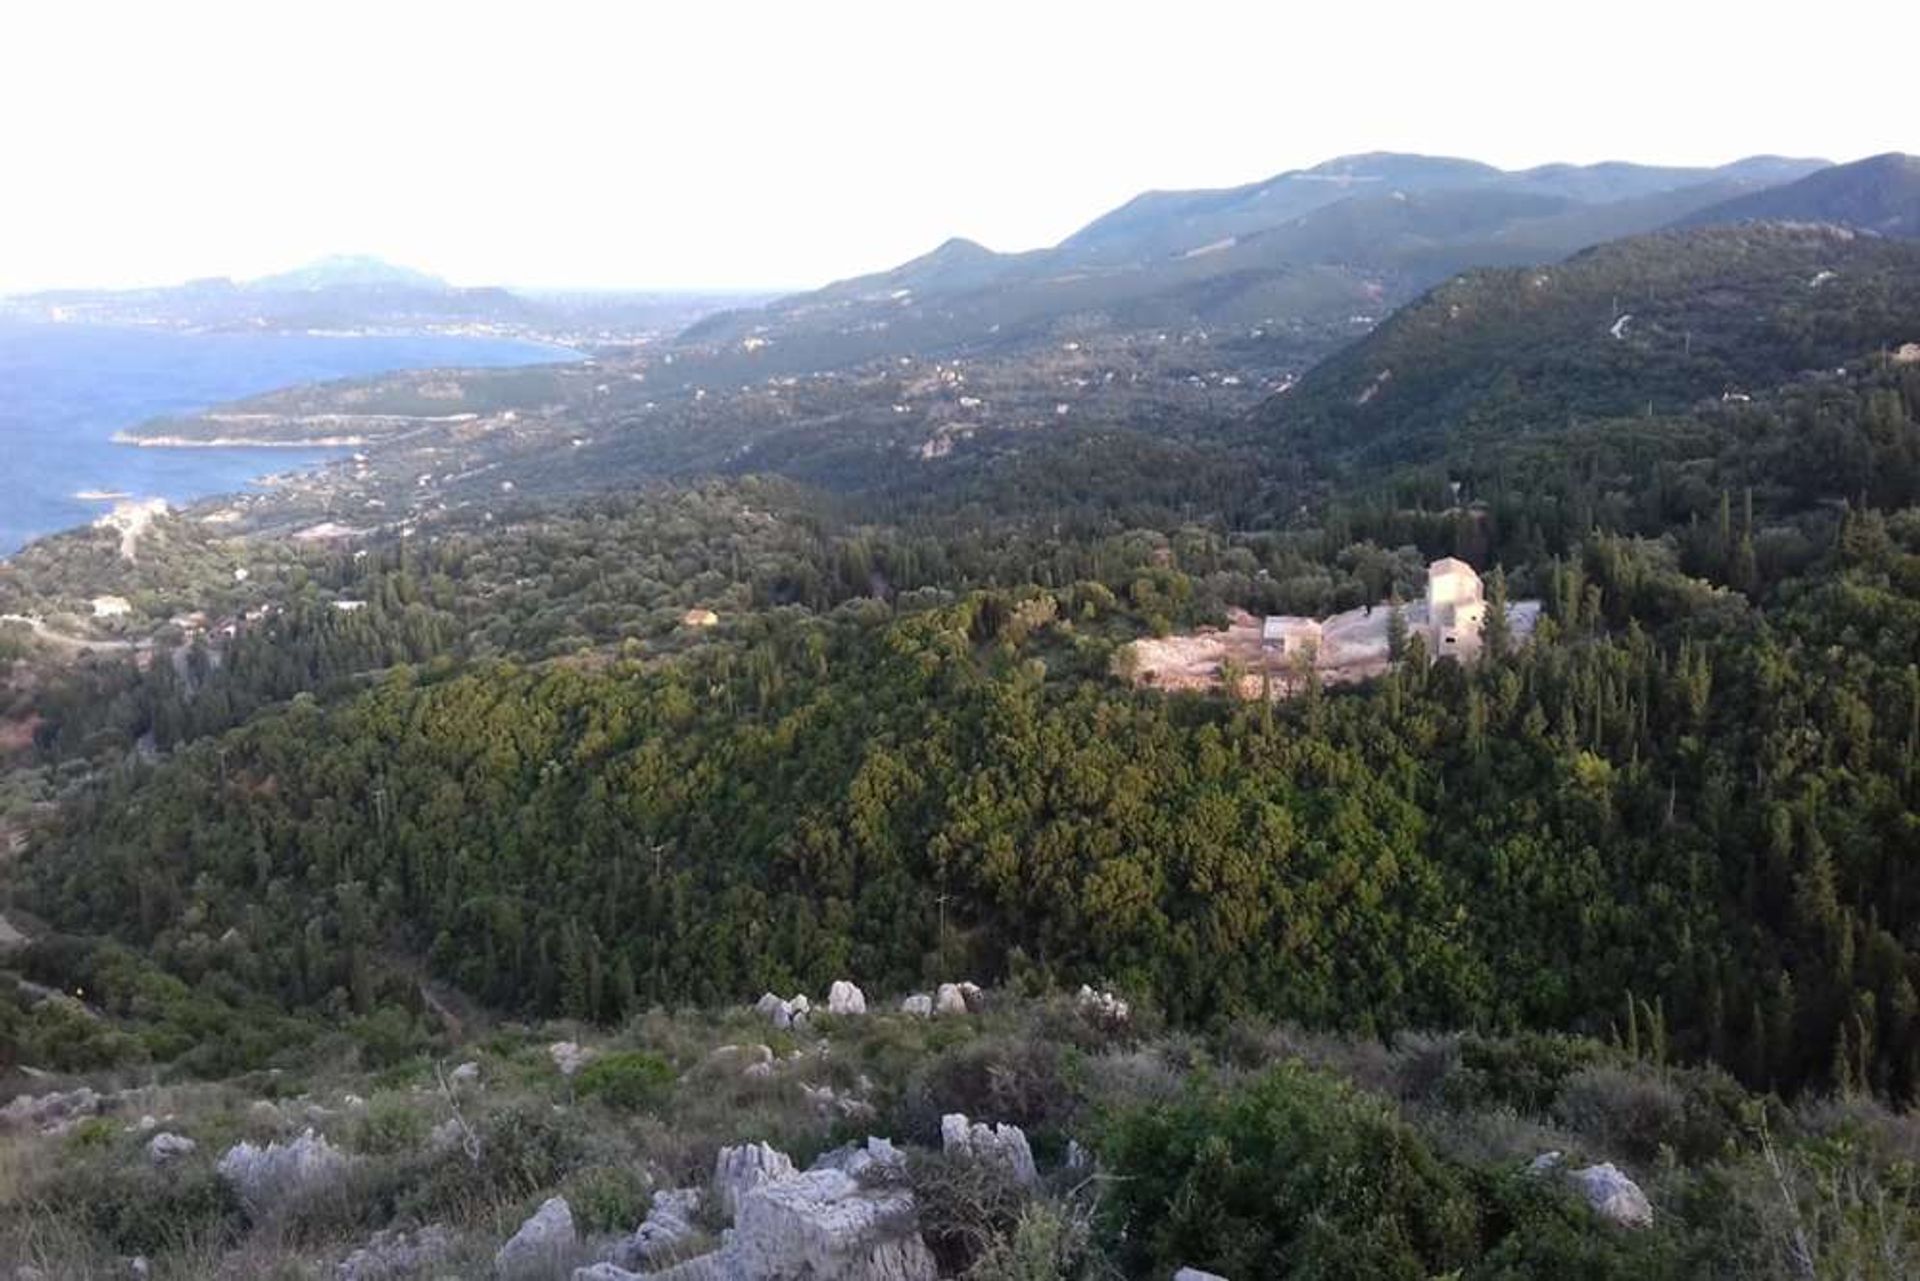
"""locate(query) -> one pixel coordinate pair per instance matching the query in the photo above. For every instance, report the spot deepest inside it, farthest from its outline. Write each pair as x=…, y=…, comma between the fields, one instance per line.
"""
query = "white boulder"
x=1195, y=1274
x=825, y=1224
x=1004, y=1144
x=845, y=998
x=949, y=1000
x=783, y=1014
x=920, y=1005
x=270, y=1177
x=568, y=1057
x=467, y=1073
x=163, y=1148
x=856, y=1159
x=738, y=1170
x=1613, y=1196
x=542, y=1243
x=664, y=1234
x=390, y=1254
x=1102, y=1007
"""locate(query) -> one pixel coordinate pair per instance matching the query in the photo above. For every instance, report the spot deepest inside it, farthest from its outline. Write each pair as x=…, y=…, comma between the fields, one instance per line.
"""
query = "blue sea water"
x=66, y=389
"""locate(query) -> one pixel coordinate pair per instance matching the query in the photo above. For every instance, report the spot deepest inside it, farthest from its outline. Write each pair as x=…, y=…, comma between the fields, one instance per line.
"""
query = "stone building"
x=1456, y=609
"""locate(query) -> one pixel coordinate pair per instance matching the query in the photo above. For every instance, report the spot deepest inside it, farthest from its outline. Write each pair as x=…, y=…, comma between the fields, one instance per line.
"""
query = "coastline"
x=234, y=442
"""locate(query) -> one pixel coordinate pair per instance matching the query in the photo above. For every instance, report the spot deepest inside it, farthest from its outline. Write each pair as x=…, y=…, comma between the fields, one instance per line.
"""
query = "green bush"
x=134, y=1209
x=1295, y=1175
x=1523, y=1072
x=607, y=1198
x=631, y=1081
x=391, y=1124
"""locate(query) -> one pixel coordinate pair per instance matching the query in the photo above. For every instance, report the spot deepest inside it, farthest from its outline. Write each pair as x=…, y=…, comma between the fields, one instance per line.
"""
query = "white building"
x=1456, y=609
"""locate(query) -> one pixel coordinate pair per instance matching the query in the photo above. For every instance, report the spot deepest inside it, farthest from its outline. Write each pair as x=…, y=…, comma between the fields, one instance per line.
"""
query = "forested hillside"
x=583, y=758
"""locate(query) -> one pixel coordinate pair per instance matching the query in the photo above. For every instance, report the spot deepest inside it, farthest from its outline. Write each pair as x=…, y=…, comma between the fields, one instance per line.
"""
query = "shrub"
x=1523, y=1072
x=134, y=1209
x=631, y=1081
x=607, y=1198
x=1629, y=1112
x=965, y=1208
x=1293, y=1175
x=524, y=1150
x=391, y=1124
x=1051, y=1241
x=1023, y=1081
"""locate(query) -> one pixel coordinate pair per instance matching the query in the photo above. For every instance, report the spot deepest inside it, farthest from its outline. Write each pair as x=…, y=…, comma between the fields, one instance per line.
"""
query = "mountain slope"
x=1659, y=320
x=1306, y=258
x=346, y=271
x=1879, y=194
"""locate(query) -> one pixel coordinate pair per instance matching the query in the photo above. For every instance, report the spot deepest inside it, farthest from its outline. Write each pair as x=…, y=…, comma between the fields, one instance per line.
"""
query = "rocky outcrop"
x=845, y=998
x=857, y=1158
x=568, y=1057
x=1195, y=1274
x=949, y=1000
x=783, y=1014
x=267, y=1179
x=737, y=1171
x=825, y=1224
x=748, y=1060
x=391, y=1254
x=665, y=1234
x=1003, y=1144
x=467, y=1073
x=54, y=1113
x=920, y=1005
x=1613, y=1196
x=1103, y=1007
x=164, y=1148
x=542, y=1244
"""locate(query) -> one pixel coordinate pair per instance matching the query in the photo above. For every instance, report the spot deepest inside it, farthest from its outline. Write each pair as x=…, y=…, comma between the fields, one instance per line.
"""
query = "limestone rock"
x=667, y=1229
x=568, y=1057
x=856, y=1159
x=165, y=1147
x=972, y=995
x=1005, y=1144
x=54, y=1113
x=1614, y=1196
x=467, y=1073
x=845, y=998
x=738, y=1170
x=824, y=1224
x=783, y=1014
x=920, y=1005
x=748, y=1060
x=391, y=1253
x=1195, y=1274
x=270, y=1177
x=949, y=1000
x=1103, y=1007
x=542, y=1243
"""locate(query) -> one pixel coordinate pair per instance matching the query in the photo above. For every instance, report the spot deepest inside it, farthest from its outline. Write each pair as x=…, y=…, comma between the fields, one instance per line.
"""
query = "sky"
x=708, y=144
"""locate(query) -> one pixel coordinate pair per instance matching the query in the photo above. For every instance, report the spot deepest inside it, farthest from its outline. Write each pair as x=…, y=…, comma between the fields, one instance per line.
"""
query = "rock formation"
x=542, y=1243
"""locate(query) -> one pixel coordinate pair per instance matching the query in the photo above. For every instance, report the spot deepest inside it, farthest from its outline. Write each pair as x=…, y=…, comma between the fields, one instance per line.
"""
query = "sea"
x=66, y=389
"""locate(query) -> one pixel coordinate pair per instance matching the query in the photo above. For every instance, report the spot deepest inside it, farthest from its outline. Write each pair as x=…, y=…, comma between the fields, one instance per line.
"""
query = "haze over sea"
x=66, y=389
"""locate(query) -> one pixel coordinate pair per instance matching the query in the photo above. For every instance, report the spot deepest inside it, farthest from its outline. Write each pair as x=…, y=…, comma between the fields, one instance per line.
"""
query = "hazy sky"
x=698, y=143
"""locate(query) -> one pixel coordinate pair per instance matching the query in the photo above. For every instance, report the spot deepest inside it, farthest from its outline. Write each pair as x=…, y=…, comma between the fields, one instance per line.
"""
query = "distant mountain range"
x=1880, y=194
x=1304, y=260
x=359, y=293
